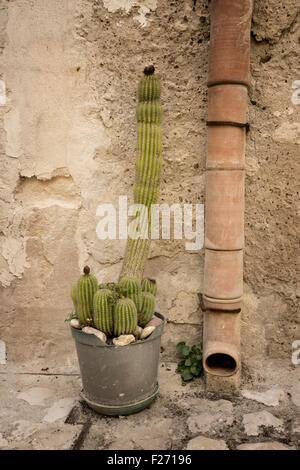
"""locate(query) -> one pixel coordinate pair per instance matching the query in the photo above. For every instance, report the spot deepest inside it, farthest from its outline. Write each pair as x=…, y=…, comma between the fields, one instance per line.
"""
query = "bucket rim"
x=93, y=340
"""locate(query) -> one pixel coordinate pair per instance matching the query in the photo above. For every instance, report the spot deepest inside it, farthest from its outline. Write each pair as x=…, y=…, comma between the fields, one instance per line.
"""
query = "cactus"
x=131, y=288
x=148, y=308
x=125, y=317
x=74, y=297
x=86, y=287
x=114, y=308
x=113, y=287
x=103, y=310
x=149, y=285
x=148, y=166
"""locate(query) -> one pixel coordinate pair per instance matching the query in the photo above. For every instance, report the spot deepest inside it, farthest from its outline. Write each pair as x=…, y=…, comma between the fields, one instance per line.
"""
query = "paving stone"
x=36, y=395
x=55, y=437
x=206, y=415
x=122, y=444
x=264, y=446
x=36, y=419
x=22, y=430
x=204, y=422
x=13, y=410
x=271, y=397
x=200, y=423
x=140, y=431
x=59, y=410
x=204, y=443
x=37, y=436
x=152, y=435
x=202, y=405
x=253, y=421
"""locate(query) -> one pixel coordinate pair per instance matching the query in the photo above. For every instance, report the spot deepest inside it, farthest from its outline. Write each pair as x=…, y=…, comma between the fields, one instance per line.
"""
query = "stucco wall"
x=68, y=140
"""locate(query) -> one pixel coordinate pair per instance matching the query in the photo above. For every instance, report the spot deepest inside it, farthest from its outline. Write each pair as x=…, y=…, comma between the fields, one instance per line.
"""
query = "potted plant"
x=116, y=330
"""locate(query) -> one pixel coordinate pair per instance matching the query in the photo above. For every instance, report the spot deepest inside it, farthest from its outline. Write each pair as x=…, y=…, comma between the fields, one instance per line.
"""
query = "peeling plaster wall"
x=67, y=144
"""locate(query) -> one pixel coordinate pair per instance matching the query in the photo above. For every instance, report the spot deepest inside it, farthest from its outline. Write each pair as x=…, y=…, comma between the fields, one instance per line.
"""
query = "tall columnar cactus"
x=87, y=285
x=149, y=285
x=148, y=308
x=74, y=297
x=125, y=317
x=103, y=310
x=131, y=288
x=148, y=166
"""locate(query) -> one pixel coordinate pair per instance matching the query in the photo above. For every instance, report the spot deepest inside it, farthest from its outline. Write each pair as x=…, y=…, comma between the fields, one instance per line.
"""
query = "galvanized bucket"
x=118, y=380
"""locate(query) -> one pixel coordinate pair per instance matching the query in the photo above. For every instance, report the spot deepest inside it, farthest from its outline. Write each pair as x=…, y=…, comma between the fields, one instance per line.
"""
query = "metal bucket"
x=118, y=380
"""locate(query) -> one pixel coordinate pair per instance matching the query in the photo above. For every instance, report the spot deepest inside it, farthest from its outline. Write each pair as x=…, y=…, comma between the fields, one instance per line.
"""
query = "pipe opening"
x=220, y=364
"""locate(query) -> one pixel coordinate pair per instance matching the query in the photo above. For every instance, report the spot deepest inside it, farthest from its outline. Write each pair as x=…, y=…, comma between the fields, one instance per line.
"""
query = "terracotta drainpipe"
x=228, y=80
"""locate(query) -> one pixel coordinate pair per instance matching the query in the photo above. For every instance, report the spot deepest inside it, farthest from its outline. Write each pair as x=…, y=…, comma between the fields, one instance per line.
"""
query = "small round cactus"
x=103, y=310
x=131, y=288
x=86, y=287
x=148, y=308
x=125, y=317
x=149, y=285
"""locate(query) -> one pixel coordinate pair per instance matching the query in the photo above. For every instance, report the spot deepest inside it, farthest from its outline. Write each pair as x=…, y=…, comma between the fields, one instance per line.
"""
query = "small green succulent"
x=191, y=364
x=70, y=317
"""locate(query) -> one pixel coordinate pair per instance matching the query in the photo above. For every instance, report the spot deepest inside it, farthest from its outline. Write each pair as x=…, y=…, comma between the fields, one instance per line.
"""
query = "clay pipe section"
x=228, y=80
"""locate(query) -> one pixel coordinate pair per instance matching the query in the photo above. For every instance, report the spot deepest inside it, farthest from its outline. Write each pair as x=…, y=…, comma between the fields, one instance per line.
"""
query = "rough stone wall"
x=68, y=140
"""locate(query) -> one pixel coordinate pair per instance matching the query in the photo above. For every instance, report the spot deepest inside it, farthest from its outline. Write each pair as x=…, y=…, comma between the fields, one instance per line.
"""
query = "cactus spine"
x=149, y=285
x=103, y=310
x=125, y=317
x=86, y=287
x=148, y=167
x=148, y=307
x=131, y=288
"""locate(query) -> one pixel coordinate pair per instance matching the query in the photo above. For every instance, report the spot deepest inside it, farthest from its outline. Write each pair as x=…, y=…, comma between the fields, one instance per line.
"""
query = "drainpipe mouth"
x=221, y=358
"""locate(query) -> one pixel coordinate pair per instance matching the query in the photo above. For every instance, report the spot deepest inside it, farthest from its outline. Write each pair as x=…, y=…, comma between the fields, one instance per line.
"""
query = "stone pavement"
x=43, y=411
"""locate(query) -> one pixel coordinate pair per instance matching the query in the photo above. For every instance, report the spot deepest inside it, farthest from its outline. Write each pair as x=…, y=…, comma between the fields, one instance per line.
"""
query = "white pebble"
x=92, y=331
x=147, y=332
x=123, y=340
x=75, y=323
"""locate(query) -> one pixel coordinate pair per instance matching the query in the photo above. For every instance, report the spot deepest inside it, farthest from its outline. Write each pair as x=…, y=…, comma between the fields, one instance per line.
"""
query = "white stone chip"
x=204, y=443
x=253, y=421
x=123, y=340
x=35, y=395
x=147, y=332
x=59, y=410
x=269, y=397
x=263, y=446
x=75, y=323
x=92, y=331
